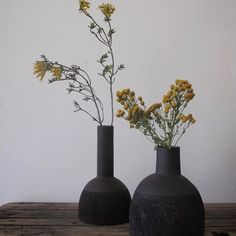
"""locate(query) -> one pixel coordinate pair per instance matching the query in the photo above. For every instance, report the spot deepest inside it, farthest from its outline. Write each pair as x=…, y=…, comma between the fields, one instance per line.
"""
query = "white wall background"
x=48, y=152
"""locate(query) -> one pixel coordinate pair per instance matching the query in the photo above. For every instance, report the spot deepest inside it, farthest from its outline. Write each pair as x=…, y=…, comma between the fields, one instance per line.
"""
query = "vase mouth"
x=105, y=128
x=165, y=148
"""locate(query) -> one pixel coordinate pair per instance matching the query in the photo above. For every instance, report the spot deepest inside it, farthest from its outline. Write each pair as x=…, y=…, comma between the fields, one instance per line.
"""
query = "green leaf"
x=92, y=25
x=111, y=32
x=121, y=66
x=107, y=69
x=103, y=58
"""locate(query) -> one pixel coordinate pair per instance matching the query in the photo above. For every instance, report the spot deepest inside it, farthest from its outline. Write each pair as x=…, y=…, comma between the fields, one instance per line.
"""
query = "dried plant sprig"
x=80, y=81
x=107, y=60
x=163, y=123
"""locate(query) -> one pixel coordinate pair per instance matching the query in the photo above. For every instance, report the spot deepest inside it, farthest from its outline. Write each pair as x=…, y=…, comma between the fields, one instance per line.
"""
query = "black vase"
x=166, y=203
x=105, y=200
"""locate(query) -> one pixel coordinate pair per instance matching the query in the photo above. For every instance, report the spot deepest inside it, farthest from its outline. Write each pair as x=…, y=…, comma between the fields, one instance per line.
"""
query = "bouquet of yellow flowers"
x=163, y=123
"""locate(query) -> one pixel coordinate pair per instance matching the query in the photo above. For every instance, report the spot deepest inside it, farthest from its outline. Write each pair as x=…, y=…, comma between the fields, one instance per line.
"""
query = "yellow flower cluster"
x=84, y=5
x=107, y=9
x=179, y=92
x=40, y=68
x=166, y=116
x=184, y=118
x=56, y=72
x=153, y=109
x=133, y=108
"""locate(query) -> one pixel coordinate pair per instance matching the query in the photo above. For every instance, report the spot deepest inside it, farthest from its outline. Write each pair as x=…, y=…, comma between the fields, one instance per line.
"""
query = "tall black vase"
x=166, y=203
x=105, y=200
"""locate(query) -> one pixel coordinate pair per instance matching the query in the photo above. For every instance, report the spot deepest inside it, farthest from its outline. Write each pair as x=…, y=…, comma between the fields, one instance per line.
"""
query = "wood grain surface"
x=57, y=219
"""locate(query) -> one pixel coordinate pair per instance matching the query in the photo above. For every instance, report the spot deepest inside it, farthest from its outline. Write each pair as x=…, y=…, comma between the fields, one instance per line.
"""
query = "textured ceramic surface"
x=105, y=200
x=166, y=203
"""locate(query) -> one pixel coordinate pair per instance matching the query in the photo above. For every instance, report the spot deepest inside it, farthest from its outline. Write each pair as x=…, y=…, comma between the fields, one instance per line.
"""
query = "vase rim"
x=105, y=126
x=165, y=148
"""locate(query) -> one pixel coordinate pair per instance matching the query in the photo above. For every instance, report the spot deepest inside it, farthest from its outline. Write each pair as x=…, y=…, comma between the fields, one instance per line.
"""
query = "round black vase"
x=105, y=200
x=166, y=203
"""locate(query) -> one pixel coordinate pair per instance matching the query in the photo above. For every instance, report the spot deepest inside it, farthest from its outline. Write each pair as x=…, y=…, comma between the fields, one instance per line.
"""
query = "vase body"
x=166, y=203
x=105, y=200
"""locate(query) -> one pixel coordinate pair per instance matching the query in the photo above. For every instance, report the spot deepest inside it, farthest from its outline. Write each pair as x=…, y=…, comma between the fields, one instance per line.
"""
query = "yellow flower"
x=173, y=104
x=124, y=97
x=120, y=113
x=177, y=81
x=126, y=106
x=118, y=93
x=121, y=93
x=84, y=5
x=130, y=111
x=166, y=110
x=132, y=93
x=190, y=116
x=181, y=88
x=165, y=99
x=40, y=68
x=135, y=108
x=189, y=86
x=167, y=106
x=128, y=117
x=184, y=118
x=107, y=9
x=189, y=96
x=56, y=72
x=176, y=89
x=169, y=94
x=174, y=95
x=126, y=91
x=132, y=98
x=180, y=117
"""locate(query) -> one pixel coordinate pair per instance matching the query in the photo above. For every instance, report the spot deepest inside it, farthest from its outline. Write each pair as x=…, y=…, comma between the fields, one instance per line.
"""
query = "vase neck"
x=168, y=161
x=105, y=152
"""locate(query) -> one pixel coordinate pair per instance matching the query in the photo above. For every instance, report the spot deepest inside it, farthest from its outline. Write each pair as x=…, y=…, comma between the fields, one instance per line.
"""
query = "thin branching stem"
x=78, y=78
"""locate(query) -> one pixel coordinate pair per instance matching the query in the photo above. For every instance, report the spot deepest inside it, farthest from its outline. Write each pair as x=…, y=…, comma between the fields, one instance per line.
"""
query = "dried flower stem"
x=80, y=79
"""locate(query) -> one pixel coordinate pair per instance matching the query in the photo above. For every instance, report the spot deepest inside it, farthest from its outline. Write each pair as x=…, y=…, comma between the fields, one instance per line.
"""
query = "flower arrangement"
x=78, y=78
x=162, y=123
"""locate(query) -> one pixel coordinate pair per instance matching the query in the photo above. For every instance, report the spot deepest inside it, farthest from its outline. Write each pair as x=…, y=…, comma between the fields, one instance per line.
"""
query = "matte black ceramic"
x=105, y=200
x=166, y=203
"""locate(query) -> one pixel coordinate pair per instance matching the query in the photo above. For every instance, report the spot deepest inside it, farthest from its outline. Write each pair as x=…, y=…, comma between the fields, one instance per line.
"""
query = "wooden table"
x=46, y=219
